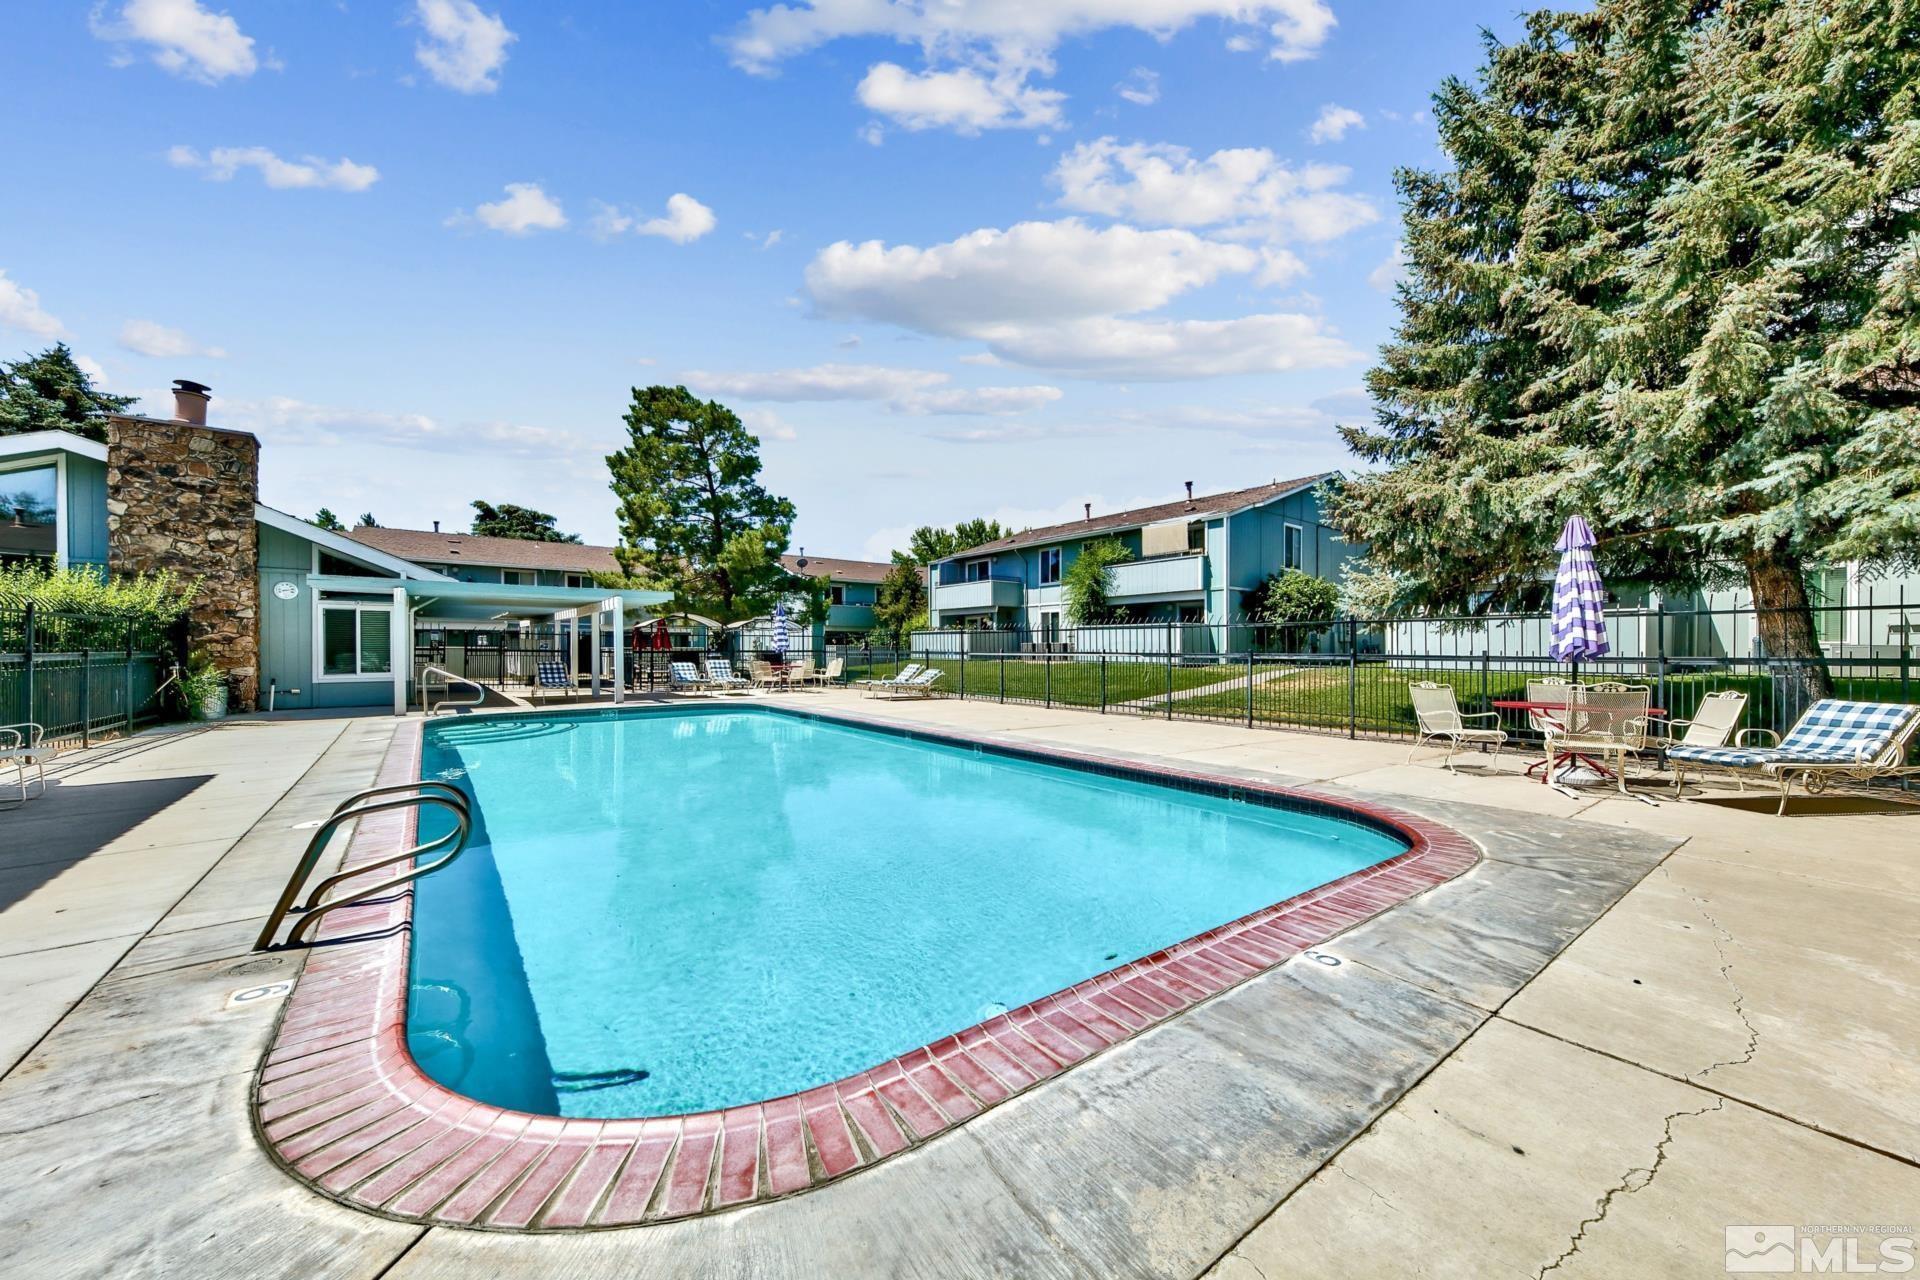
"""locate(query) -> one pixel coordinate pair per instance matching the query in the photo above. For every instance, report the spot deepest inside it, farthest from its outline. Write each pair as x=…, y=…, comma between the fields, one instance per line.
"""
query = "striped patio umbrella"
x=782, y=637
x=1579, y=599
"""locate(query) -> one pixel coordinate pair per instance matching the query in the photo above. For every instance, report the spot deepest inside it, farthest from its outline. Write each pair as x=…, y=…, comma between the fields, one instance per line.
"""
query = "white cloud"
x=1391, y=271
x=766, y=241
x=985, y=359
x=1141, y=87
x=1062, y=296
x=1033, y=272
x=20, y=309
x=1129, y=350
x=963, y=100
x=285, y=420
x=914, y=391
x=525, y=208
x=1334, y=122
x=873, y=133
x=881, y=543
x=767, y=424
x=981, y=56
x=222, y=163
x=95, y=371
x=182, y=38
x=1245, y=188
x=1280, y=267
x=464, y=47
x=1294, y=28
x=151, y=339
x=686, y=220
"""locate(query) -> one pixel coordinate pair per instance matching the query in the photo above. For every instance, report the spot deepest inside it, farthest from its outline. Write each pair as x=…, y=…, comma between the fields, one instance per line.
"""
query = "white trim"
x=62, y=535
x=400, y=637
x=319, y=608
x=34, y=442
x=1059, y=565
x=341, y=545
x=1300, y=534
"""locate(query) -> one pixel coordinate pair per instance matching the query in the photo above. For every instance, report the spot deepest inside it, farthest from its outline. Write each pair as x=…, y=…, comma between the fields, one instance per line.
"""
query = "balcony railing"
x=980, y=594
x=849, y=617
x=1177, y=575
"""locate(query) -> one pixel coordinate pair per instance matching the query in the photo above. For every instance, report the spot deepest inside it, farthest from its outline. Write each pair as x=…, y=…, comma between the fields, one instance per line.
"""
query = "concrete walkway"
x=1234, y=685
x=1730, y=1040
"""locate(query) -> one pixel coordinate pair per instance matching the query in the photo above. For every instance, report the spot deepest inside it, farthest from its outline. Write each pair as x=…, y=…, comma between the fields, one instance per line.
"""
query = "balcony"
x=980, y=595
x=850, y=617
x=1159, y=578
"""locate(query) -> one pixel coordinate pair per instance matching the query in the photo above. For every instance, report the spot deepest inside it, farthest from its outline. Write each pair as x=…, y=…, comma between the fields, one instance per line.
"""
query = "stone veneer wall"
x=181, y=497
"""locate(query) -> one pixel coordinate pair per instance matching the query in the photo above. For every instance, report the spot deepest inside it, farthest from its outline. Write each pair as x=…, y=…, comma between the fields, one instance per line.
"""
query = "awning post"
x=619, y=650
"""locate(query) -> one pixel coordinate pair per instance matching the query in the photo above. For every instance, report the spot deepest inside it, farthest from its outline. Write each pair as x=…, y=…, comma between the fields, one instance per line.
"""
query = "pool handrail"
x=360, y=805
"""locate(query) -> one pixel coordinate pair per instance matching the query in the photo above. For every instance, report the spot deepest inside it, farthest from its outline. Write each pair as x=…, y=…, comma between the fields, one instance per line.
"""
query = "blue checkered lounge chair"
x=1834, y=739
x=684, y=677
x=550, y=677
x=720, y=676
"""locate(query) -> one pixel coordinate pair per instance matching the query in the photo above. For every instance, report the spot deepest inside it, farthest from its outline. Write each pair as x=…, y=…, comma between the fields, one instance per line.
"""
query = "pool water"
x=677, y=910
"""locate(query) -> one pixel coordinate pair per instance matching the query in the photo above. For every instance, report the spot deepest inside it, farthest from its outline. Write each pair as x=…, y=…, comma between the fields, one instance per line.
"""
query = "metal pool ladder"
x=356, y=806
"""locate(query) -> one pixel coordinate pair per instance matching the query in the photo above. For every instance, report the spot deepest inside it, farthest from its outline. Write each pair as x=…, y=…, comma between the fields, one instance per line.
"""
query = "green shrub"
x=1293, y=596
x=1087, y=585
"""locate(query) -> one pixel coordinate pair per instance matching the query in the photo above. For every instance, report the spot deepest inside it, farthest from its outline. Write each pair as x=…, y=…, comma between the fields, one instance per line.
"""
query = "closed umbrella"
x=1579, y=598
x=782, y=637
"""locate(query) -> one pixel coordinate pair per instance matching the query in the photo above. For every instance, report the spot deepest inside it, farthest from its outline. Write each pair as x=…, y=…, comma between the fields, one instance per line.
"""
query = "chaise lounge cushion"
x=1834, y=731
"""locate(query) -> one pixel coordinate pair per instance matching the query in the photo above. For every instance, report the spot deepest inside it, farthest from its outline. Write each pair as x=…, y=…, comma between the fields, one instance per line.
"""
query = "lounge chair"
x=549, y=676
x=907, y=672
x=1836, y=738
x=720, y=676
x=684, y=677
x=919, y=686
x=22, y=745
x=1712, y=725
x=1439, y=716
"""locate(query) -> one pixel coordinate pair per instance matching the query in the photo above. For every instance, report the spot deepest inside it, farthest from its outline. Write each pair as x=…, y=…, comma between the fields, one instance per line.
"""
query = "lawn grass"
x=1372, y=697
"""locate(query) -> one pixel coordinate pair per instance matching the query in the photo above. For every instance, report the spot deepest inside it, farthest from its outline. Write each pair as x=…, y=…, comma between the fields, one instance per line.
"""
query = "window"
x=1050, y=626
x=517, y=577
x=1197, y=535
x=1291, y=556
x=29, y=509
x=356, y=640
x=1049, y=566
x=1827, y=593
x=979, y=570
x=837, y=593
x=328, y=563
x=578, y=580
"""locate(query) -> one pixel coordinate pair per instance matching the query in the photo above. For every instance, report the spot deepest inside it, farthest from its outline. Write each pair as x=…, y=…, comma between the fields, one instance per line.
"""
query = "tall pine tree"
x=694, y=517
x=1668, y=282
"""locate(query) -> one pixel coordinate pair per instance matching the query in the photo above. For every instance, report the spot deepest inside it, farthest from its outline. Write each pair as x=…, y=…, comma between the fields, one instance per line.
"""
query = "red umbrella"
x=660, y=638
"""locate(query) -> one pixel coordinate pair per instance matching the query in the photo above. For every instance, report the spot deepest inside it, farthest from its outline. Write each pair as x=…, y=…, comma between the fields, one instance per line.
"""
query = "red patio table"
x=1559, y=757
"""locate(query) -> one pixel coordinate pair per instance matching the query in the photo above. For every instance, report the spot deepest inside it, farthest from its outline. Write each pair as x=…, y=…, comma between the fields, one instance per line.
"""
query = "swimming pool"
x=682, y=910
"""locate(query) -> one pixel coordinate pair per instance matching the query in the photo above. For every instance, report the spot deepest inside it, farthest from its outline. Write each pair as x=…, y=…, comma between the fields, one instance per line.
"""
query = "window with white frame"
x=979, y=570
x=837, y=593
x=518, y=577
x=1292, y=555
x=356, y=640
x=1049, y=566
x=578, y=580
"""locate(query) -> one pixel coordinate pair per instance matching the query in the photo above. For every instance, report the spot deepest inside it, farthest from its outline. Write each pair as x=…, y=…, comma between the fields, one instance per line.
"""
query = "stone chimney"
x=180, y=497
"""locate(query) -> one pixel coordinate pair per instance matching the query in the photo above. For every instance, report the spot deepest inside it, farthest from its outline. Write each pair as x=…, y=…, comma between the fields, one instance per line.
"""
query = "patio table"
x=1559, y=757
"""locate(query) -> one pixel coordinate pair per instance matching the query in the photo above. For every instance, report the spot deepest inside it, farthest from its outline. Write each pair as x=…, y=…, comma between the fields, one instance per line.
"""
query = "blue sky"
x=947, y=257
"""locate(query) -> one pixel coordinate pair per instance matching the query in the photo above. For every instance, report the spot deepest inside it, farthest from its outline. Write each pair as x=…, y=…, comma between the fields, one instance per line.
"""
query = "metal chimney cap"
x=188, y=384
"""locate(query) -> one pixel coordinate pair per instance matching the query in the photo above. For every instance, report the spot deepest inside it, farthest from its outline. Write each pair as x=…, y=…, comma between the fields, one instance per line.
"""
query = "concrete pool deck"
x=1627, y=1030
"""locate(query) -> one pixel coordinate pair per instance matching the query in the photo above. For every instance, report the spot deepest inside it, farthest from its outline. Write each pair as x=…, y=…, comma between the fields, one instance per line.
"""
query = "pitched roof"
x=1201, y=506
x=838, y=570
x=423, y=546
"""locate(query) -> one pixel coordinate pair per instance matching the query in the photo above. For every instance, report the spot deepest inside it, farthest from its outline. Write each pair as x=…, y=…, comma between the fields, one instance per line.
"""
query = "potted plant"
x=203, y=689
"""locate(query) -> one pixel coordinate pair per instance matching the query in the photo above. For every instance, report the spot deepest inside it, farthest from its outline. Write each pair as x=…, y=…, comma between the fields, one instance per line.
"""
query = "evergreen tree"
x=694, y=517
x=900, y=601
x=1668, y=283
x=51, y=392
x=367, y=521
x=510, y=521
x=325, y=518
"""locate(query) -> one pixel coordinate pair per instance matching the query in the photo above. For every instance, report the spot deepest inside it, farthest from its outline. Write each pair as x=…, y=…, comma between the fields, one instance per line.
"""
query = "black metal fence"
x=1350, y=676
x=82, y=675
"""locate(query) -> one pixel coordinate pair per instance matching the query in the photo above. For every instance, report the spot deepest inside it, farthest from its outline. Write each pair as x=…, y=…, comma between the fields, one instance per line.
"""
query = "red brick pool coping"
x=341, y=1105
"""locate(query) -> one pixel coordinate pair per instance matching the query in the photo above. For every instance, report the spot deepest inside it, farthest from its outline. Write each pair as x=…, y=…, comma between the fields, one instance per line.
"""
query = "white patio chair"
x=905, y=673
x=1439, y=716
x=1712, y=725
x=1607, y=719
x=920, y=686
x=22, y=745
